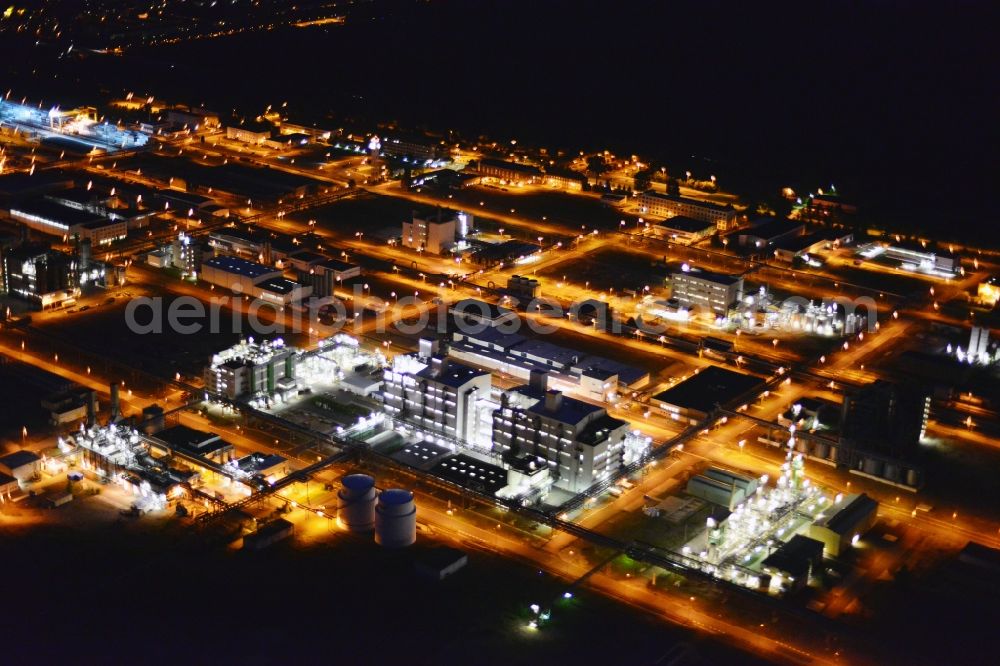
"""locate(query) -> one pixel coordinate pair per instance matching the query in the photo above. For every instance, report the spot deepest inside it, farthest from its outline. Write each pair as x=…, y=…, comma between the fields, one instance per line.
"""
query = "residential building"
x=254, y=132
x=507, y=172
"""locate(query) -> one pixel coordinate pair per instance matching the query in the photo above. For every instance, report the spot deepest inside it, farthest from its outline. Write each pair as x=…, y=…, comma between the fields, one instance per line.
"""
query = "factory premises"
x=708, y=412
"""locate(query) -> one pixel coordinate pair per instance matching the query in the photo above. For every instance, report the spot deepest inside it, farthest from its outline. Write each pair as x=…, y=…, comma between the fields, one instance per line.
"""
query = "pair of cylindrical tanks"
x=391, y=513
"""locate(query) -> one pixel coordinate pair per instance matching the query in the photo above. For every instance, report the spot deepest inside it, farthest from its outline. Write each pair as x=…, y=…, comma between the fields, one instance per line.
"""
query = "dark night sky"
x=895, y=102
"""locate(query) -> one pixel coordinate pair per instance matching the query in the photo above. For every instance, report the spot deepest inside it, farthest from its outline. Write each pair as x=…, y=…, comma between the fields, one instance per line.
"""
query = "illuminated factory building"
x=251, y=369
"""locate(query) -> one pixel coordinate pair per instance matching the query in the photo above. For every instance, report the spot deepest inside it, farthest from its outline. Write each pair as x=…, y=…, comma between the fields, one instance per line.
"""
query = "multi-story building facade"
x=251, y=369
x=579, y=441
x=670, y=205
x=35, y=272
x=704, y=291
x=435, y=230
x=439, y=395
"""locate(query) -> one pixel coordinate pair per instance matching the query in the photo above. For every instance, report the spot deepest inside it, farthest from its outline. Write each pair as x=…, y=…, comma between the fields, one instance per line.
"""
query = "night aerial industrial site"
x=442, y=332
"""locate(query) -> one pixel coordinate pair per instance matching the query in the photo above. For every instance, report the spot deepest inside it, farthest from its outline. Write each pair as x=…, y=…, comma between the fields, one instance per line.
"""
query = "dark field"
x=156, y=594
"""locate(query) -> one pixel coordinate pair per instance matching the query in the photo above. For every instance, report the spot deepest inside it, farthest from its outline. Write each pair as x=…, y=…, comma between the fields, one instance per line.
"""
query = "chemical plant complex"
x=263, y=338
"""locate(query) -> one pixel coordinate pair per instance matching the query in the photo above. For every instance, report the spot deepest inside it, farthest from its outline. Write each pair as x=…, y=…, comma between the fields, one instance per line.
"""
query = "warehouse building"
x=684, y=230
x=236, y=274
x=765, y=232
x=694, y=399
x=722, y=487
x=22, y=465
x=793, y=562
x=52, y=218
x=850, y=519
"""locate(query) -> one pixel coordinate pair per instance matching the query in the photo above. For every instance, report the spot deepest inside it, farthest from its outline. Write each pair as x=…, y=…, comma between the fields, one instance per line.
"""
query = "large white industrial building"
x=249, y=369
x=440, y=395
x=579, y=441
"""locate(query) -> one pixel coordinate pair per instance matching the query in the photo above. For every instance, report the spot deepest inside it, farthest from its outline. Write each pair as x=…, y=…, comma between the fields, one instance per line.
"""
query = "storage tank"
x=872, y=466
x=356, y=503
x=395, y=518
x=821, y=450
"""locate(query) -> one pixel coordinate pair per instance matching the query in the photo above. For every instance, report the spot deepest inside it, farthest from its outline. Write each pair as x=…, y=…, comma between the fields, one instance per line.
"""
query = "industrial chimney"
x=92, y=409
x=115, y=405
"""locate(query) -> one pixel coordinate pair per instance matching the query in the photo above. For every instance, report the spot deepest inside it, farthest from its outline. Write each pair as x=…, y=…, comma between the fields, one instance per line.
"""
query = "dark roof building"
x=696, y=397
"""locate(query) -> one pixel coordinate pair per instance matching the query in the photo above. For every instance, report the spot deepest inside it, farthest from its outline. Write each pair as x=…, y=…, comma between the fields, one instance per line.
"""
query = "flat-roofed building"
x=53, y=218
x=704, y=291
x=37, y=273
x=22, y=465
x=438, y=394
x=579, y=442
x=236, y=274
x=695, y=398
x=251, y=369
x=765, y=232
x=846, y=523
x=793, y=562
x=192, y=442
x=684, y=230
x=254, y=132
x=671, y=205
x=472, y=312
x=281, y=291
x=327, y=275
x=508, y=172
x=435, y=230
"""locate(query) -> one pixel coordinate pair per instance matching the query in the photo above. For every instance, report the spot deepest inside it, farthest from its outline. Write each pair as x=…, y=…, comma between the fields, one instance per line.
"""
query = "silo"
x=821, y=450
x=356, y=503
x=395, y=519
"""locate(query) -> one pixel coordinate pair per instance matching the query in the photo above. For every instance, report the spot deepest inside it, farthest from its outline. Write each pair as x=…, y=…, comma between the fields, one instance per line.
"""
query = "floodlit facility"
x=848, y=521
x=250, y=369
